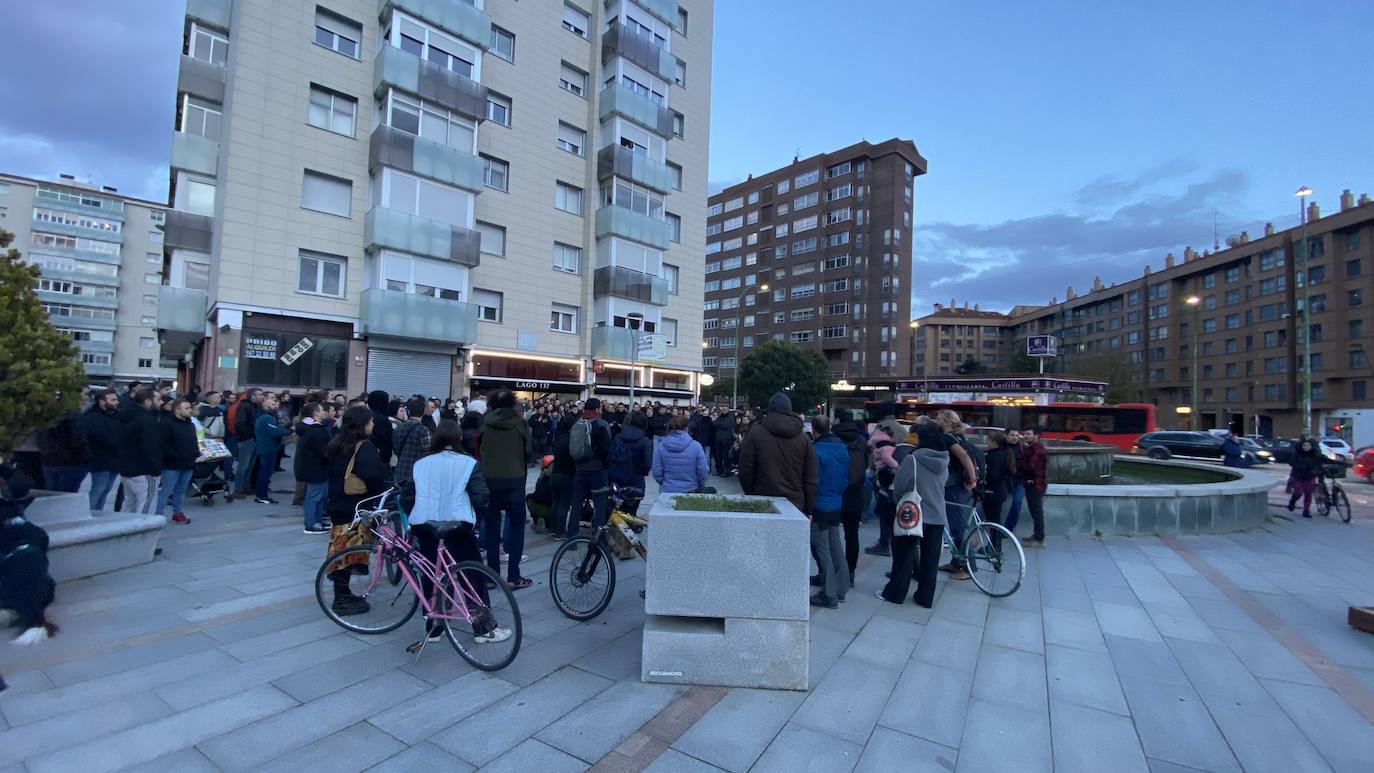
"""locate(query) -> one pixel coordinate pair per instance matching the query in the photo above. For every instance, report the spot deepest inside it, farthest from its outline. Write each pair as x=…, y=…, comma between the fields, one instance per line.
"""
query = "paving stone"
x=336, y=674
x=126, y=658
x=889, y=750
x=1180, y=623
x=929, y=701
x=673, y=761
x=208, y=686
x=1266, y=658
x=600, y=724
x=1160, y=766
x=1175, y=726
x=1073, y=599
x=503, y=725
x=270, y=643
x=354, y=748
x=1342, y=736
x=1015, y=628
x=858, y=608
x=1010, y=676
x=160, y=737
x=848, y=701
x=545, y=657
x=800, y=748
x=266, y=623
x=1084, y=679
x=532, y=755
x=1073, y=629
x=1124, y=620
x=424, y=756
x=825, y=646
x=736, y=731
x=963, y=606
x=999, y=738
x=184, y=761
x=439, y=664
x=66, y=729
x=616, y=660
x=253, y=745
x=1090, y=741
x=1224, y=614
x=951, y=644
x=433, y=710
x=885, y=642
x=1145, y=659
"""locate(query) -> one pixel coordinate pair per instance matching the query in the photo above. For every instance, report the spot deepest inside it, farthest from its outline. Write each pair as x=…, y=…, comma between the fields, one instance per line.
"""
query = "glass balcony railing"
x=665, y=10
x=431, y=82
x=620, y=161
x=180, y=309
x=632, y=225
x=621, y=282
x=201, y=79
x=187, y=231
x=395, y=230
x=213, y=12
x=194, y=154
x=462, y=19
x=617, y=98
x=620, y=40
x=404, y=151
x=418, y=317
x=612, y=343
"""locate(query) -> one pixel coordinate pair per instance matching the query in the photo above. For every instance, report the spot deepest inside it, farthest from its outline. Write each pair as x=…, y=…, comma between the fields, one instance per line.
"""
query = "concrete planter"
x=726, y=597
x=82, y=543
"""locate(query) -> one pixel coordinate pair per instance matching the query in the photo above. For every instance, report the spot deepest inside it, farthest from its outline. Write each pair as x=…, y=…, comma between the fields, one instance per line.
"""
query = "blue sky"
x=1065, y=139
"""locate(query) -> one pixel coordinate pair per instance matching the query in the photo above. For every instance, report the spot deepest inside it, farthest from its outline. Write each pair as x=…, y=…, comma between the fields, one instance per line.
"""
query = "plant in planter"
x=709, y=503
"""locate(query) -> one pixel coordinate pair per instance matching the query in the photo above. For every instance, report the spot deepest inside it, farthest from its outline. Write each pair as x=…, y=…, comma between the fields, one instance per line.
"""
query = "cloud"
x=1028, y=260
x=716, y=186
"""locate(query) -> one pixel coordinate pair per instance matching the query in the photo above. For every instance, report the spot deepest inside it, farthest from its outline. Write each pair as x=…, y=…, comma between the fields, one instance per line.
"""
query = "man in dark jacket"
x=411, y=440
x=382, y=433
x=505, y=444
x=631, y=458
x=1030, y=468
x=658, y=424
x=246, y=414
x=562, y=473
x=180, y=448
x=311, y=466
x=591, y=472
x=103, y=431
x=140, y=454
x=65, y=453
x=851, y=507
x=776, y=459
x=701, y=429
x=723, y=438
x=832, y=478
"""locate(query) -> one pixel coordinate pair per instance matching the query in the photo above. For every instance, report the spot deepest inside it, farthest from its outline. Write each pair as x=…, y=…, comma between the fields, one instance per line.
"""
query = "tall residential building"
x=440, y=196
x=101, y=259
x=830, y=238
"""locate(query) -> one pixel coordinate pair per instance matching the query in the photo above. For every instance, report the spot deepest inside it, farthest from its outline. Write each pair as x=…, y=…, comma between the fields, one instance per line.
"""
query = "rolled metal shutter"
x=407, y=373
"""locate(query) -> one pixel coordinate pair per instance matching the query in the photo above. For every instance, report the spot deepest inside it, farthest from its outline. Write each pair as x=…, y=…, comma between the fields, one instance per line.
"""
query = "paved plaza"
x=1217, y=653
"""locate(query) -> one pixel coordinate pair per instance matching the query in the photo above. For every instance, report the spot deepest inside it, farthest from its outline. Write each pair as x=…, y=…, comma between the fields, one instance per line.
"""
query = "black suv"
x=1188, y=445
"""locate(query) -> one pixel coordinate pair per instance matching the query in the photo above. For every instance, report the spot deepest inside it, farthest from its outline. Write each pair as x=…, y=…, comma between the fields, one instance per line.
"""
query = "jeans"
x=102, y=483
x=870, y=495
x=905, y=553
x=850, y=522
x=721, y=451
x=829, y=553
x=243, y=476
x=958, y=503
x=174, y=483
x=267, y=464
x=315, y=494
x=461, y=545
x=65, y=478
x=584, y=483
x=140, y=493
x=562, y=487
x=1018, y=495
x=508, y=499
x=1035, y=502
x=885, y=510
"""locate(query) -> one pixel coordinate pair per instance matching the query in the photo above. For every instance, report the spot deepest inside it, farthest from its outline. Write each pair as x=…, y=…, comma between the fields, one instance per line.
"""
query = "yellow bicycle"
x=582, y=577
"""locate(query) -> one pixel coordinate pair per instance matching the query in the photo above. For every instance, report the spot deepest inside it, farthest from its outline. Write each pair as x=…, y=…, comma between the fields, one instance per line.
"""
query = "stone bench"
x=82, y=543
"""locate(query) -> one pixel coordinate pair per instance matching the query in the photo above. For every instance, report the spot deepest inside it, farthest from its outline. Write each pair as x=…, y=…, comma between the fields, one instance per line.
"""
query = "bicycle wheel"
x=488, y=631
x=364, y=601
x=1340, y=503
x=582, y=578
x=1323, y=500
x=995, y=559
x=393, y=568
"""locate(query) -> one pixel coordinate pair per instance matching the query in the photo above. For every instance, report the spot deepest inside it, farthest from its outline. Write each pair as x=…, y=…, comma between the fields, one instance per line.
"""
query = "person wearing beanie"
x=776, y=459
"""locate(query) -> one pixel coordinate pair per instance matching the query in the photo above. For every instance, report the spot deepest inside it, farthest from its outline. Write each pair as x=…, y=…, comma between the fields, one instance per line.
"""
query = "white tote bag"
x=908, y=522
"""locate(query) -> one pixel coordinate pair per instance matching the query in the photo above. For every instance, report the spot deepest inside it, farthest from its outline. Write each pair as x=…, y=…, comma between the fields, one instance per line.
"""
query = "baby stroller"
x=207, y=477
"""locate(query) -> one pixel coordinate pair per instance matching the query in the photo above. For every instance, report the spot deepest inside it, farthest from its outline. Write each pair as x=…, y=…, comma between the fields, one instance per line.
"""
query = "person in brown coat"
x=776, y=459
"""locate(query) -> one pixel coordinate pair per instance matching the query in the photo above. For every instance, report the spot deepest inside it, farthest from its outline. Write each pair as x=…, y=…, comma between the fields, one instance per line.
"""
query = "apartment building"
x=100, y=254
x=440, y=196
x=816, y=253
x=1235, y=314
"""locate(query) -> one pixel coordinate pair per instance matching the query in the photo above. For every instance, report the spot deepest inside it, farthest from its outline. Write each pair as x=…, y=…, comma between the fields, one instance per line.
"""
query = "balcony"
x=193, y=153
x=619, y=40
x=180, y=318
x=618, y=99
x=665, y=10
x=429, y=81
x=620, y=161
x=632, y=225
x=187, y=231
x=212, y=12
x=392, y=229
x=400, y=150
x=201, y=79
x=612, y=343
x=460, y=18
x=621, y=282
x=418, y=317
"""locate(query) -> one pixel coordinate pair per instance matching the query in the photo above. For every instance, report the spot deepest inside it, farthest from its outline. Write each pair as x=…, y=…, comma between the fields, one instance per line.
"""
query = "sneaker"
x=494, y=636
x=822, y=600
x=883, y=598
x=506, y=557
x=344, y=606
x=318, y=528
x=878, y=549
x=520, y=584
x=1031, y=542
x=557, y=537
x=180, y=518
x=960, y=574
x=950, y=567
x=267, y=501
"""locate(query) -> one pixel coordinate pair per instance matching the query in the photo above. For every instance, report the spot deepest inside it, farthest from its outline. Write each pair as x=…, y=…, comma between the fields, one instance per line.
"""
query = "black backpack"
x=980, y=462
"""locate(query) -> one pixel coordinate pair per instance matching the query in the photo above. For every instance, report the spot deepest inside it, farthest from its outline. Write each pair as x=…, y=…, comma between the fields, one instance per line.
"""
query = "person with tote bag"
x=919, y=522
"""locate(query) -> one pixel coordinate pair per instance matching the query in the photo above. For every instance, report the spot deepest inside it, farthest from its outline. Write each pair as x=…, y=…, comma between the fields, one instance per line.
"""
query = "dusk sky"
x=1065, y=139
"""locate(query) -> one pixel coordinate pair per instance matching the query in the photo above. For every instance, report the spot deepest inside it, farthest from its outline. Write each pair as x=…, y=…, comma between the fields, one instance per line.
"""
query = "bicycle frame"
x=971, y=521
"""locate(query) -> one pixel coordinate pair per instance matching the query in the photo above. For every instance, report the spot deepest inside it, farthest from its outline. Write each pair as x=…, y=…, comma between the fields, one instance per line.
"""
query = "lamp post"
x=1196, y=303
x=739, y=304
x=1306, y=332
x=634, y=320
x=915, y=331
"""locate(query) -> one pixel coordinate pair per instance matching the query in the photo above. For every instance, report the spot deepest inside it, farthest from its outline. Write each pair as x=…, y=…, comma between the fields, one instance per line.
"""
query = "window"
x=804, y=224
x=802, y=291
x=576, y=21
x=331, y=110
x=425, y=198
x=835, y=194
x=1352, y=298
x=568, y=198
x=496, y=173
x=430, y=121
x=708, y=362
x=563, y=319
x=1355, y=328
x=488, y=305
x=1209, y=281
x=680, y=73
x=808, y=200
x=567, y=258
x=321, y=274
x=715, y=209
x=147, y=342
x=326, y=193
x=572, y=79
x=1316, y=247
x=1352, y=268
x=498, y=108
x=207, y=45
x=800, y=337
x=493, y=238
x=572, y=139
x=676, y=172
x=669, y=331
x=731, y=223
x=1359, y=390
x=838, y=261
x=337, y=33
x=1268, y=260
x=835, y=240
x=837, y=170
x=837, y=216
x=676, y=223
x=679, y=124
x=201, y=118
x=670, y=274
x=804, y=246
x=503, y=43
x=807, y=178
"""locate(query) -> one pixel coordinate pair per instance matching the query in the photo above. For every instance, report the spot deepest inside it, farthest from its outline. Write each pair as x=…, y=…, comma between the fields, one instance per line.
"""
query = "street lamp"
x=1196, y=303
x=739, y=304
x=1306, y=332
x=915, y=331
x=634, y=320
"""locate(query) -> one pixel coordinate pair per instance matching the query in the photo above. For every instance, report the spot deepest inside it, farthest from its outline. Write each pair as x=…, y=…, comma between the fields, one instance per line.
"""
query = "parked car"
x=1364, y=465
x=1342, y=448
x=1262, y=454
x=1188, y=445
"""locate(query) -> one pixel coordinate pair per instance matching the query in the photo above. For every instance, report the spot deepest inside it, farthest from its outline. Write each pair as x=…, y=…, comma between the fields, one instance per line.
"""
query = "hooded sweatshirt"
x=776, y=460
x=832, y=475
x=853, y=438
x=505, y=441
x=631, y=456
x=680, y=464
x=927, y=470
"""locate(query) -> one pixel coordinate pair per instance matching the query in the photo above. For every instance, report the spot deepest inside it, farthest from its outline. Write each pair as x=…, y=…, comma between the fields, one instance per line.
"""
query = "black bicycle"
x=582, y=576
x=1330, y=495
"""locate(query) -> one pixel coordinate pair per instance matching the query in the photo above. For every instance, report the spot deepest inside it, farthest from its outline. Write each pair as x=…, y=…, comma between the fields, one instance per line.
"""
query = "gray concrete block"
x=848, y=701
x=799, y=748
x=740, y=565
x=885, y=642
x=931, y=702
x=1015, y=628
x=1175, y=726
x=1125, y=620
x=1078, y=630
x=950, y=644
x=1187, y=516
x=1084, y=679
x=729, y=652
x=736, y=731
x=600, y=724
x=1010, y=676
x=1000, y=737
x=889, y=750
x=1342, y=735
x=1089, y=741
x=82, y=548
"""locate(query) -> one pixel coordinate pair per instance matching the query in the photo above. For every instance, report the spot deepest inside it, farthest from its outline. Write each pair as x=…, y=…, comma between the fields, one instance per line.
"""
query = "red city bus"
x=1117, y=425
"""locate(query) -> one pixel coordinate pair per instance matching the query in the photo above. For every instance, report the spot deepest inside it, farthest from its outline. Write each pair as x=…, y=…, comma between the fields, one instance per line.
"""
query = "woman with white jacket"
x=449, y=492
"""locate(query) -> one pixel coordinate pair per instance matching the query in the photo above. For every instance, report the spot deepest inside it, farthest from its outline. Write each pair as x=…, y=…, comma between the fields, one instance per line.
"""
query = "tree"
x=1124, y=382
x=968, y=367
x=40, y=375
x=777, y=366
x=1020, y=361
x=722, y=387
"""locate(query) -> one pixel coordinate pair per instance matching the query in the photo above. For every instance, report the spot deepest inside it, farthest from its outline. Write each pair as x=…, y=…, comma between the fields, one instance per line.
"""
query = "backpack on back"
x=886, y=477
x=580, y=441
x=975, y=454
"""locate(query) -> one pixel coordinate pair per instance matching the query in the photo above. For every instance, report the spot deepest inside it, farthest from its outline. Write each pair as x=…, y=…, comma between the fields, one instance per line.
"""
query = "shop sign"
x=533, y=385
x=260, y=348
x=296, y=351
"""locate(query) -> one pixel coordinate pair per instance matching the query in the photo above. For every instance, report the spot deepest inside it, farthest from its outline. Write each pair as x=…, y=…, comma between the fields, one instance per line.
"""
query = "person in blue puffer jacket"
x=680, y=462
x=832, y=477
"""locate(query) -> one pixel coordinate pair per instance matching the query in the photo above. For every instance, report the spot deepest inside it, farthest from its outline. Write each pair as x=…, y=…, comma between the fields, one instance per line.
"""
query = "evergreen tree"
x=778, y=366
x=40, y=375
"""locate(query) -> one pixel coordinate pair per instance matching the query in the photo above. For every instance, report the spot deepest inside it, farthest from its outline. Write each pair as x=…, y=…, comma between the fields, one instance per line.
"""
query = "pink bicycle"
x=376, y=588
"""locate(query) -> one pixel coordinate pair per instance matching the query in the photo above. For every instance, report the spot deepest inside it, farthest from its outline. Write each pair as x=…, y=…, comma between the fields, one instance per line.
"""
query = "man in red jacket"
x=1030, y=468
